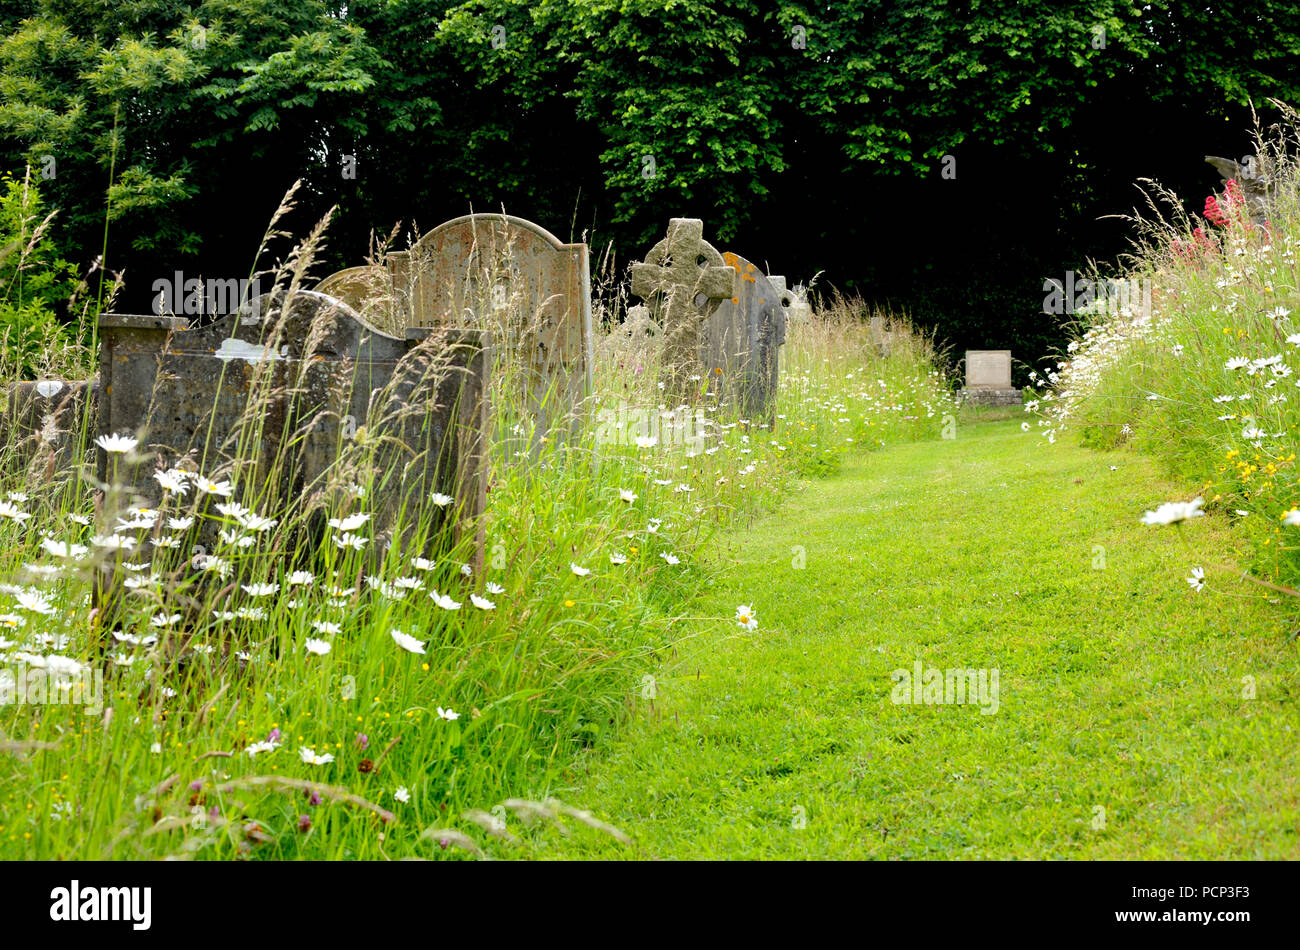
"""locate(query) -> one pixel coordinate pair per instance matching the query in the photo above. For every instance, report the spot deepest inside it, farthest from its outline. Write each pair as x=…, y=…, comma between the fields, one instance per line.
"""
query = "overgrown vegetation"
x=292, y=695
x=1206, y=379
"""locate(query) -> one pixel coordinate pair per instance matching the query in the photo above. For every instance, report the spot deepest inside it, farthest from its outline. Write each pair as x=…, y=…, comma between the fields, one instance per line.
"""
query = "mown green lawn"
x=1120, y=688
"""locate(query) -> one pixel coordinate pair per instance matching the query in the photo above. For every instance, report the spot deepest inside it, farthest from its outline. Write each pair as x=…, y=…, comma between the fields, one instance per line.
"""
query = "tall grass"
x=1205, y=379
x=264, y=700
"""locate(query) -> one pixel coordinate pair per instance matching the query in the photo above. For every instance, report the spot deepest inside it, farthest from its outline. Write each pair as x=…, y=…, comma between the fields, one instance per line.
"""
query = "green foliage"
x=34, y=282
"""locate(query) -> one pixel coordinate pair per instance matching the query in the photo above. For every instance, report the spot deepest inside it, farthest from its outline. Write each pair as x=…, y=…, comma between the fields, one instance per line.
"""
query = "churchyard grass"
x=390, y=708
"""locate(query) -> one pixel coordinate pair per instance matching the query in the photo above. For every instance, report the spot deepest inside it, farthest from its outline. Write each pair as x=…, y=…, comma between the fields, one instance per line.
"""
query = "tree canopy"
x=811, y=137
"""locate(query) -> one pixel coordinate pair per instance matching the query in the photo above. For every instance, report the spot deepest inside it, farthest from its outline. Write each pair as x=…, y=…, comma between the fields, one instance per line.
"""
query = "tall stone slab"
x=742, y=341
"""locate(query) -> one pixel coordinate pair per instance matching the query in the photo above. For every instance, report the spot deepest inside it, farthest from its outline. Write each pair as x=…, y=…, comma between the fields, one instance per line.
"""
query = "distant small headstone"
x=988, y=379
x=742, y=340
x=268, y=395
x=683, y=281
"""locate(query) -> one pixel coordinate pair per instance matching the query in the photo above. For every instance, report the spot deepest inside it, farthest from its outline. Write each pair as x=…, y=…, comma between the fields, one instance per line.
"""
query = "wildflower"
x=1197, y=580
x=422, y=564
x=745, y=617
x=181, y=524
x=354, y=541
x=33, y=601
x=466, y=570
x=1292, y=517
x=304, y=823
x=443, y=601
x=580, y=571
x=447, y=714
x=350, y=523
x=495, y=588
x=172, y=480
x=1174, y=512
x=325, y=627
x=672, y=559
x=482, y=603
x=616, y=558
x=310, y=757
x=316, y=647
x=407, y=642
x=117, y=444
x=441, y=500
x=402, y=795
x=112, y=542
x=209, y=487
x=627, y=495
x=300, y=578
x=63, y=549
x=257, y=748
x=164, y=620
x=13, y=512
x=260, y=590
x=1237, y=362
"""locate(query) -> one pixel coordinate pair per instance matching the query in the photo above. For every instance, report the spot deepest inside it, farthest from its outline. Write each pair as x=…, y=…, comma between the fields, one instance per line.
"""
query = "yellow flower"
x=569, y=603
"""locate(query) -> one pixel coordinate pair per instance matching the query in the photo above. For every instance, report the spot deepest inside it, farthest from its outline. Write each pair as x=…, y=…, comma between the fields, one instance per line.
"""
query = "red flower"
x=1213, y=214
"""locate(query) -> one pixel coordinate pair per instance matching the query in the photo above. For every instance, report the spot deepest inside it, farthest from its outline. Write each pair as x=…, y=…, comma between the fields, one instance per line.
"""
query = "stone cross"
x=683, y=280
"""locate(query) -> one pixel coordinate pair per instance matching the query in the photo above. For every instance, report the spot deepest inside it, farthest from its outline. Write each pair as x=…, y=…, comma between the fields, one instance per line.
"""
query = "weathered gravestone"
x=268, y=394
x=742, y=340
x=1257, y=192
x=988, y=379
x=503, y=274
x=43, y=422
x=372, y=293
x=683, y=281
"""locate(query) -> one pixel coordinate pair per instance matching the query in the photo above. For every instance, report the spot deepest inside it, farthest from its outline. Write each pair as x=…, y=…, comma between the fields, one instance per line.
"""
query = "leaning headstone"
x=988, y=379
x=683, y=281
x=266, y=396
x=742, y=341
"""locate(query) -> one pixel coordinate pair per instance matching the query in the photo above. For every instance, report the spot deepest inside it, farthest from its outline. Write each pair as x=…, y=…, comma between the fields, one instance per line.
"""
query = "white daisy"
x=407, y=642
x=117, y=444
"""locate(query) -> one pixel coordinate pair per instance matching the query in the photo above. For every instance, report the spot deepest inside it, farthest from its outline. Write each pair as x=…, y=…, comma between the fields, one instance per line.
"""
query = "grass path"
x=1119, y=687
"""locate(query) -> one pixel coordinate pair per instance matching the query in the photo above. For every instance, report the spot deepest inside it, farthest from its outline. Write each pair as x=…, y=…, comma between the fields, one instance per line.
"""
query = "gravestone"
x=501, y=274
x=371, y=292
x=742, y=340
x=1256, y=191
x=44, y=422
x=683, y=281
x=988, y=379
x=274, y=389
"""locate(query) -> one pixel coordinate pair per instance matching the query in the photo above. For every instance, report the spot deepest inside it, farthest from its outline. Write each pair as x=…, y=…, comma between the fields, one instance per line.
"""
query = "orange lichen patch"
x=735, y=300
